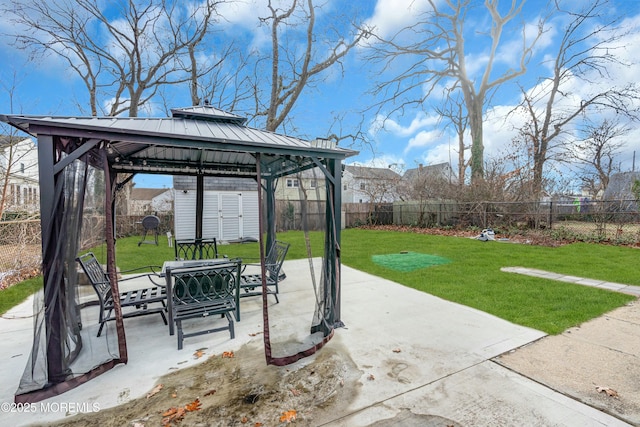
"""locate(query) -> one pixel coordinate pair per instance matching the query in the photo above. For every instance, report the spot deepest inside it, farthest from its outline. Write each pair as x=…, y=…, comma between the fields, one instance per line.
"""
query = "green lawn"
x=471, y=276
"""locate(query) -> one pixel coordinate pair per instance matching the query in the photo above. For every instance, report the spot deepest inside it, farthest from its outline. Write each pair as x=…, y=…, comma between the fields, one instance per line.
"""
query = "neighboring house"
x=362, y=184
x=230, y=208
x=294, y=187
x=144, y=201
x=19, y=171
x=620, y=186
x=427, y=182
x=442, y=171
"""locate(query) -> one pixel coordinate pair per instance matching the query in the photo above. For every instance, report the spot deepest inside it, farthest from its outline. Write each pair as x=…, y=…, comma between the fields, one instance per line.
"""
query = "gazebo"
x=201, y=141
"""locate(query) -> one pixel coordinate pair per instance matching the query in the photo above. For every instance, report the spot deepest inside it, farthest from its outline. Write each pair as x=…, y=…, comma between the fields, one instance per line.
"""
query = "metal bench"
x=140, y=299
x=196, y=249
x=202, y=292
x=251, y=284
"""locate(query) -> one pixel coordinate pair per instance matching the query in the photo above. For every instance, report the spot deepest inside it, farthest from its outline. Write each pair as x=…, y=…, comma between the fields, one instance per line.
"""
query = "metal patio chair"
x=138, y=299
x=150, y=224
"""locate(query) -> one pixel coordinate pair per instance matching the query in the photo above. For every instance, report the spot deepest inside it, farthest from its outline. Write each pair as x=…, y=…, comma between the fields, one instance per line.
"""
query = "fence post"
x=484, y=214
x=550, y=221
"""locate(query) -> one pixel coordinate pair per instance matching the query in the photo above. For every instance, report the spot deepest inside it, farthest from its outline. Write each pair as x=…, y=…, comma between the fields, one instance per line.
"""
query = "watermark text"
x=50, y=407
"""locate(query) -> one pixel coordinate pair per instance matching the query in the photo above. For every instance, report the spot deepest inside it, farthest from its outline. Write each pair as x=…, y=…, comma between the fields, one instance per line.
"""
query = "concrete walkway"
x=618, y=287
x=419, y=360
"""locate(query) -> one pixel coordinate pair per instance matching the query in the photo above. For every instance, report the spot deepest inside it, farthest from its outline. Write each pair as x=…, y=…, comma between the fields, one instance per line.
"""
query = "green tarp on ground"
x=408, y=261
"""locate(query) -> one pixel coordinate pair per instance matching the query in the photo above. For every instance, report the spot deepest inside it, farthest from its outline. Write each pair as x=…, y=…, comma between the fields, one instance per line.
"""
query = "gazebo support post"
x=270, y=200
x=109, y=204
x=199, y=206
x=335, y=227
x=51, y=265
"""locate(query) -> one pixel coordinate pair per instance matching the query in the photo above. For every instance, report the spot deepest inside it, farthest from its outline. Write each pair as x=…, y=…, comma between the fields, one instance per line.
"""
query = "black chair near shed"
x=139, y=299
x=196, y=249
x=251, y=284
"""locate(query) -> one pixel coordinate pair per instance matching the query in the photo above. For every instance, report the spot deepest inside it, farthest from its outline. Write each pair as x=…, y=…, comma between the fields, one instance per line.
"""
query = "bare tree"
x=122, y=61
x=586, y=51
x=454, y=111
x=597, y=153
x=296, y=63
x=436, y=49
x=17, y=159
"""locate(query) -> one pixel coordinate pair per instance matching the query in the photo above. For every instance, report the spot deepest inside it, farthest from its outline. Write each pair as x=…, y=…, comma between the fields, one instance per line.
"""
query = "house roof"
x=620, y=185
x=201, y=138
x=146, y=193
x=364, y=172
x=6, y=140
x=438, y=170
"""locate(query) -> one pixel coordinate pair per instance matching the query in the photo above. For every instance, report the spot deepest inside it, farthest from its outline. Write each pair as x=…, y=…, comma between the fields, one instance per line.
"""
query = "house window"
x=21, y=167
x=292, y=183
x=362, y=186
x=313, y=183
x=344, y=187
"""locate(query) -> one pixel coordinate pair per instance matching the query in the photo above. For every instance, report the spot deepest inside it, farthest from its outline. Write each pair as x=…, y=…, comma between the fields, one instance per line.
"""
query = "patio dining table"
x=174, y=264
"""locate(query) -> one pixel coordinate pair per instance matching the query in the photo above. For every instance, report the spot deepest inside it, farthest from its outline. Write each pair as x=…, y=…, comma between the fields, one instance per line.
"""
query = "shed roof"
x=201, y=138
x=147, y=193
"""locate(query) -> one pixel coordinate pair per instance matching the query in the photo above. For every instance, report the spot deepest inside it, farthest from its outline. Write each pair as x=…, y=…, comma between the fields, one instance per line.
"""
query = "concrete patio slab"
x=417, y=358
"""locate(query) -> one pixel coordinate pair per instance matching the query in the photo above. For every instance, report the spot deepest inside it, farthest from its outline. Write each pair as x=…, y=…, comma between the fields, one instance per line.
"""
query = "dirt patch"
x=531, y=237
x=242, y=390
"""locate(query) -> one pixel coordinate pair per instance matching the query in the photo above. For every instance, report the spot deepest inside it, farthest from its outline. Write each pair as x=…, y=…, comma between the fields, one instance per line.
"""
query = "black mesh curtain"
x=322, y=281
x=65, y=351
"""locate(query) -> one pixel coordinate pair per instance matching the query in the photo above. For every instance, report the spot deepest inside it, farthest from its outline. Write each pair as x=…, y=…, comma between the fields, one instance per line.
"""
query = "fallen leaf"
x=396, y=350
x=371, y=377
x=288, y=416
x=244, y=420
x=174, y=394
x=257, y=425
x=295, y=392
x=155, y=391
x=228, y=355
x=610, y=392
x=170, y=412
x=198, y=354
x=254, y=334
x=210, y=393
x=173, y=415
x=193, y=406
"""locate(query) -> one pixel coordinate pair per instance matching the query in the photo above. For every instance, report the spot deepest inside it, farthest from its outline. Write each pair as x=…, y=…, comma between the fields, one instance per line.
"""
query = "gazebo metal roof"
x=195, y=140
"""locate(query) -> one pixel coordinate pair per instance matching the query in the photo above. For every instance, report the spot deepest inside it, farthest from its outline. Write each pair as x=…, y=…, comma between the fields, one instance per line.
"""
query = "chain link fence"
x=613, y=221
x=21, y=242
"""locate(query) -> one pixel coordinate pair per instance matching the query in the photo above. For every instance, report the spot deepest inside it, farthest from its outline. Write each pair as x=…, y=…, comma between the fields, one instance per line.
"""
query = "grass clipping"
x=408, y=261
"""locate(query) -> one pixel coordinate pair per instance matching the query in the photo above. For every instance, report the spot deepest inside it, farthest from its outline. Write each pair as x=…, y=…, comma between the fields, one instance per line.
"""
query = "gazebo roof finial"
x=207, y=112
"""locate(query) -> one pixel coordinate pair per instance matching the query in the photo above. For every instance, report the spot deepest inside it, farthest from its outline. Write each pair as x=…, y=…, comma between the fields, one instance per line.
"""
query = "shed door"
x=185, y=215
x=230, y=216
x=210, y=221
x=250, y=224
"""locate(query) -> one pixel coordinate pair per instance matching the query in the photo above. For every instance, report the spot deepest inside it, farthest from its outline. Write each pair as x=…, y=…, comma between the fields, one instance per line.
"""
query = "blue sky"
x=403, y=138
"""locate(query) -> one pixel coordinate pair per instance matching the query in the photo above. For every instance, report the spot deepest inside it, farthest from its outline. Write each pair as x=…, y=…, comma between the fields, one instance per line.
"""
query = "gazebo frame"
x=201, y=141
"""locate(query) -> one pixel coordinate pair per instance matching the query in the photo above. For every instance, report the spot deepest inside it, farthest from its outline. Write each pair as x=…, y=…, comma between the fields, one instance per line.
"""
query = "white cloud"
x=390, y=16
x=420, y=121
x=423, y=139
